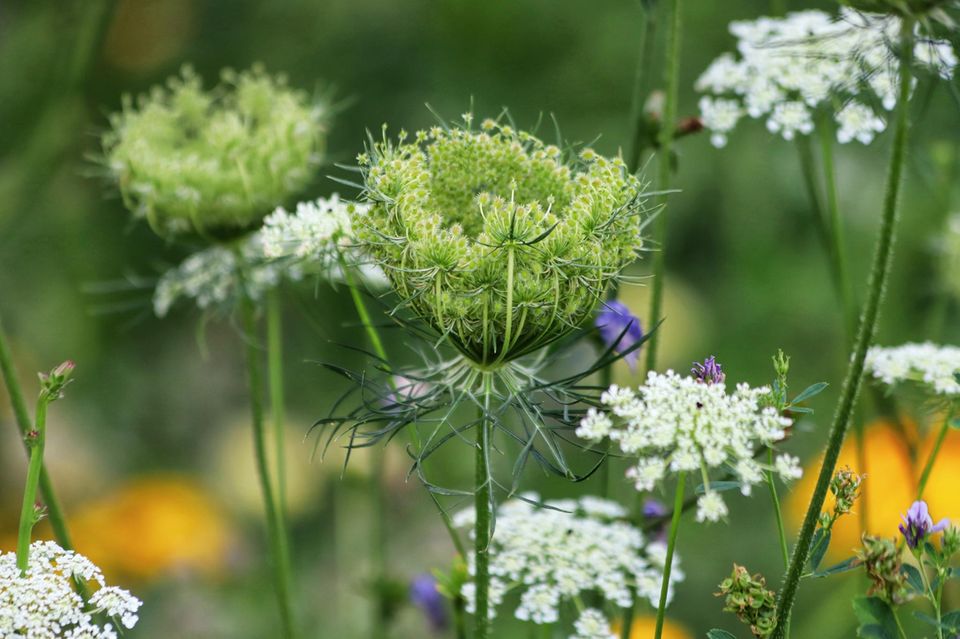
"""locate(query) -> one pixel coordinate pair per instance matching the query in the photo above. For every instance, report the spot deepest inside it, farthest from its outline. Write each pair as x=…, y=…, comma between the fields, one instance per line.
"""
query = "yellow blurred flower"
x=890, y=485
x=152, y=527
x=645, y=627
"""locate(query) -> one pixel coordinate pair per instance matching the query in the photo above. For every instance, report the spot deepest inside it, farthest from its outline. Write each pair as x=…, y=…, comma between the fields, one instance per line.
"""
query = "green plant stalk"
x=667, y=130
x=778, y=515
x=671, y=546
x=934, y=600
x=641, y=87
x=883, y=257
x=483, y=498
x=932, y=459
x=838, y=257
x=58, y=521
x=277, y=403
x=896, y=619
x=28, y=514
x=276, y=528
x=627, y=626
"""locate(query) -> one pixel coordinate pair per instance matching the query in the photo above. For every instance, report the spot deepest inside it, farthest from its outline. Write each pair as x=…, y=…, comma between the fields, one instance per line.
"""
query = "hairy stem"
x=483, y=503
x=671, y=547
x=664, y=166
x=932, y=459
x=28, y=512
x=58, y=521
x=276, y=527
x=883, y=257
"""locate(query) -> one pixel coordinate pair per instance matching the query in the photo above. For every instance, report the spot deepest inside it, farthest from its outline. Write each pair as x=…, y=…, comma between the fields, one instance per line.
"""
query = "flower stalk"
x=29, y=515
x=483, y=502
x=664, y=169
x=275, y=377
x=276, y=526
x=932, y=459
x=882, y=260
x=671, y=547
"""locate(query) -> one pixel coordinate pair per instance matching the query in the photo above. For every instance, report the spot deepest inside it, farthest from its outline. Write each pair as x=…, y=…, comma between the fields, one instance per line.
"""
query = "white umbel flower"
x=43, y=603
x=556, y=554
x=674, y=423
x=934, y=366
x=792, y=67
x=313, y=231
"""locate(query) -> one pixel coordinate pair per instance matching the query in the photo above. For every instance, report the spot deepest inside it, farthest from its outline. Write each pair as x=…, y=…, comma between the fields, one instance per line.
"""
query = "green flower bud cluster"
x=747, y=596
x=882, y=559
x=214, y=162
x=501, y=242
x=845, y=488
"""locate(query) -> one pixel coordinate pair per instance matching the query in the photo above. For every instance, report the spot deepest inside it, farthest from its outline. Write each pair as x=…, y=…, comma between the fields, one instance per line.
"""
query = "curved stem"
x=483, y=502
x=931, y=460
x=671, y=546
x=641, y=86
x=896, y=619
x=665, y=160
x=58, y=521
x=275, y=377
x=28, y=511
x=276, y=527
x=882, y=259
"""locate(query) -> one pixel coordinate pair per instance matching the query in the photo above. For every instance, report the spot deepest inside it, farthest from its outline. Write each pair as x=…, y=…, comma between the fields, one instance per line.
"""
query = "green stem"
x=28, y=512
x=883, y=256
x=896, y=619
x=931, y=460
x=838, y=258
x=277, y=404
x=934, y=601
x=58, y=521
x=667, y=130
x=459, y=618
x=641, y=87
x=778, y=515
x=483, y=500
x=671, y=546
x=276, y=527
x=626, y=627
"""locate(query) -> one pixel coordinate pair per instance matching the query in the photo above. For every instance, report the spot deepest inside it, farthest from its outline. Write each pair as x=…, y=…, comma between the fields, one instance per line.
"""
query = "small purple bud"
x=653, y=509
x=917, y=524
x=619, y=330
x=425, y=596
x=709, y=372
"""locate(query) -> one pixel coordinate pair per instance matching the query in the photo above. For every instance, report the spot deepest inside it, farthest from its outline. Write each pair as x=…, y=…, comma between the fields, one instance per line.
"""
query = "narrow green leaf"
x=914, y=580
x=951, y=621
x=819, y=545
x=809, y=391
x=716, y=633
x=719, y=486
x=846, y=565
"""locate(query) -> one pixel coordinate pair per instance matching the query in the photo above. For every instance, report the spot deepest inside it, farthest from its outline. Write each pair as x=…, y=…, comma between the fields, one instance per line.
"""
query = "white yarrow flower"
x=43, y=603
x=934, y=366
x=564, y=551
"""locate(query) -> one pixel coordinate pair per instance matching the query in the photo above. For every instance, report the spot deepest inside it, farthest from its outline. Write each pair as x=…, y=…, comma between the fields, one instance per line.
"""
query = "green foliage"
x=213, y=162
x=875, y=617
x=499, y=241
x=717, y=633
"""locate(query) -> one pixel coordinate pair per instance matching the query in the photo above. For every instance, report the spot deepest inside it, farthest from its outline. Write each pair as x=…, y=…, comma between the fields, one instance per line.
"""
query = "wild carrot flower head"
x=499, y=241
x=918, y=525
x=214, y=162
x=791, y=70
x=933, y=366
x=43, y=603
x=674, y=423
x=565, y=550
x=619, y=329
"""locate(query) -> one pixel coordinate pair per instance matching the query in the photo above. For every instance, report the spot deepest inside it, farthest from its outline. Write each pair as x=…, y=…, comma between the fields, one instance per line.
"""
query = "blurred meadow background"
x=151, y=448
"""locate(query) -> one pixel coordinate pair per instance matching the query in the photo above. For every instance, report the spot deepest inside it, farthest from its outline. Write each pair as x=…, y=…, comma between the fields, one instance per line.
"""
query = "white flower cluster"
x=42, y=604
x=789, y=68
x=556, y=552
x=675, y=423
x=932, y=365
x=288, y=246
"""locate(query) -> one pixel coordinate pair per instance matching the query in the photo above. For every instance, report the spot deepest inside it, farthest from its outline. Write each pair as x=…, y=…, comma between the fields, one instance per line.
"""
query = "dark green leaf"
x=951, y=621
x=818, y=548
x=922, y=616
x=720, y=486
x=716, y=633
x=875, y=617
x=847, y=564
x=914, y=580
x=809, y=391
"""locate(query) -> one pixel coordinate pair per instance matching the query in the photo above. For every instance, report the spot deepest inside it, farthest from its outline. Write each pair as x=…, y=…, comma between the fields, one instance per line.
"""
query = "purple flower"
x=425, y=596
x=709, y=372
x=917, y=524
x=653, y=510
x=619, y=330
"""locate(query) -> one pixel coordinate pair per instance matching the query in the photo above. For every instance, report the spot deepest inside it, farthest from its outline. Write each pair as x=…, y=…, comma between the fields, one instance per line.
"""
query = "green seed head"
x=214, y=162
x=502, y=242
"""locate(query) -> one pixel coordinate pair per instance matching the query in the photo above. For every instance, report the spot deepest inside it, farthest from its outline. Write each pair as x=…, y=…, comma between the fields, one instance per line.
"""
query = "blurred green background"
x=151, y=450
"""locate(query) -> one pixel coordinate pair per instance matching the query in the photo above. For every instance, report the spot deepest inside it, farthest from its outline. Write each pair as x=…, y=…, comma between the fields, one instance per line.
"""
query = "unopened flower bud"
x=882, y=560
x=52, y=383
x=747, y=596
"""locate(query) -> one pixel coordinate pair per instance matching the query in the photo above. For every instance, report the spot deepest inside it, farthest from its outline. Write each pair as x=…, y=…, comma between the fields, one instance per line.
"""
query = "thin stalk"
x=626, y=627
x=932, y=459
x=483, y=498
x=665, y=160
x=276, y=528
x=275, y=377
x=929, y=588
x=641, y=86
x=671, y=546
x=883, y=257
x=28, y=512
x=835, y=227
x=896, y=619
x=778, y=515
x=378, y=547
x=58, y=521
